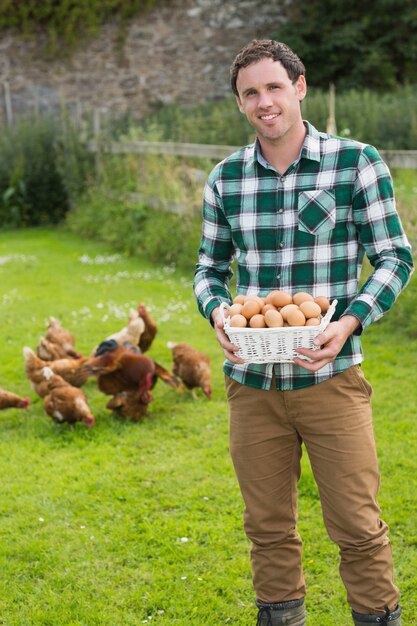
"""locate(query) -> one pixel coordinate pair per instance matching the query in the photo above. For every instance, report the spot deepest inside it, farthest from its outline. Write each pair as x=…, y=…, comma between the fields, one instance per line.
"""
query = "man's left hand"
x=331, y=341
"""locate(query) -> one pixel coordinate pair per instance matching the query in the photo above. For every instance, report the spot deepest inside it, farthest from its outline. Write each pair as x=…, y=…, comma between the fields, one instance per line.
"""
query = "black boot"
x=393, y=618
x=290, y=613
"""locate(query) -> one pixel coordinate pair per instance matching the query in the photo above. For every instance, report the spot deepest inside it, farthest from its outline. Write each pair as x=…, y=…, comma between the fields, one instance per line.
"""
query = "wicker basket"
x=274, y=345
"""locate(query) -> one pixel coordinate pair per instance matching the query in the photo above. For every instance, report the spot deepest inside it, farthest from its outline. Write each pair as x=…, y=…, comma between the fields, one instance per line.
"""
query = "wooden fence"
x=402, y=159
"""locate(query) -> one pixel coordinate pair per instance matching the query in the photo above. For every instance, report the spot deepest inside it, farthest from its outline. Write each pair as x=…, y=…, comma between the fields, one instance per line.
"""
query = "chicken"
x=73, y=371
x=65, y=403
x=9, y=400
x=192, y=367
x=150, y=331
x=132, y=332
x=62, y=342
x=128, y=404
x=124, y=368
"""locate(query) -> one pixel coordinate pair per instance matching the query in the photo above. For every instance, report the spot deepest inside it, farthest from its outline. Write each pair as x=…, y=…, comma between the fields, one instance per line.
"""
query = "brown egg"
x=267, y=307
x=257, y=321
x=255, y=297
x=251, y=308
x=313, y=321
x=296, y=318
x=323, y=302
x=310, y=309
x=273, y=319
x=280, y=298
x=238, y=321
x=286, y=309
x=301, y=296
x=239, y=299
x=235, y=309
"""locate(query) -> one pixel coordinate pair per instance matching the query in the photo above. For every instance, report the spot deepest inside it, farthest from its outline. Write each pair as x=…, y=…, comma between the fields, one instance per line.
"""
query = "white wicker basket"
x=274, y=345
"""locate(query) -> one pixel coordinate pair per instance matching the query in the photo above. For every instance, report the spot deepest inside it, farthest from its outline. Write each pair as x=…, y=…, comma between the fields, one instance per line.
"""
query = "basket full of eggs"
x=270, y=329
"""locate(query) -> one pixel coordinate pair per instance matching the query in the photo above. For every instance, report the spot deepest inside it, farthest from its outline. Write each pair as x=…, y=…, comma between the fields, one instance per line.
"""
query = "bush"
x=127, y=207
x=43, y=167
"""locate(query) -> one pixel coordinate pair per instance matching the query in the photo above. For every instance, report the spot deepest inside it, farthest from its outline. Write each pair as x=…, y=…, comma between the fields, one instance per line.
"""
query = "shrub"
x=43, y=166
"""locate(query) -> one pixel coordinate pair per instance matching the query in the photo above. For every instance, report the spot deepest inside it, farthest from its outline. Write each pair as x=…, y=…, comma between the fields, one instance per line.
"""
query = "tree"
x=354, y=43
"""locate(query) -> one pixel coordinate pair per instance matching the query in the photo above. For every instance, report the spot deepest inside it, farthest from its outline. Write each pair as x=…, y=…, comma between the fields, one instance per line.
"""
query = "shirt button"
x=278, y=276
x=281, y=245
x=282, y=179
x=280, y=210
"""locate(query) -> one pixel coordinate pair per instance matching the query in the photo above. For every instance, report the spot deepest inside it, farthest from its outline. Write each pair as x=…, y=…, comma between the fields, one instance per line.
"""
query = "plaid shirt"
x=305, y=230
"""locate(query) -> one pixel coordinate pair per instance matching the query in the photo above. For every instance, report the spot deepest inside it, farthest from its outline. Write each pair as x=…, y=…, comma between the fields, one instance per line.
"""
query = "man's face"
x=268, y=98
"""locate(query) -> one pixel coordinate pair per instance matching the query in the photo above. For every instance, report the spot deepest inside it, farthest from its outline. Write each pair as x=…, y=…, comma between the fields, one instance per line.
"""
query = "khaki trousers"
x=334, y=420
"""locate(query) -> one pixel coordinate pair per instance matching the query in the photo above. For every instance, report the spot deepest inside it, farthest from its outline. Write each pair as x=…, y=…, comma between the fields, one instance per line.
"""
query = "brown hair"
x=259, y=49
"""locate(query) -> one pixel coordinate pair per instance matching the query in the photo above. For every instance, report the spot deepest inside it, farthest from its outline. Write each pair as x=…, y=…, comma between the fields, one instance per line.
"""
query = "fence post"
x=331, y=128
x=8, y=103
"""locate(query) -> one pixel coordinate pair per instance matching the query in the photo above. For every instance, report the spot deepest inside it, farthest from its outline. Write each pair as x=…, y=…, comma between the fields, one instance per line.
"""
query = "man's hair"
x=259, y=49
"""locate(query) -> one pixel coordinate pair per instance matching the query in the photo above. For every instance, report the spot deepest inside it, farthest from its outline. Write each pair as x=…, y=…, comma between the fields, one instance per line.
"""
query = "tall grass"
x=141, y=523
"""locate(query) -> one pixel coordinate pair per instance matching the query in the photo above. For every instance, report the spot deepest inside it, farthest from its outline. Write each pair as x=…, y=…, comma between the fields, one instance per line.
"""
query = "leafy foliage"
x=354, y=43
x=66, y=23
x=42, y=167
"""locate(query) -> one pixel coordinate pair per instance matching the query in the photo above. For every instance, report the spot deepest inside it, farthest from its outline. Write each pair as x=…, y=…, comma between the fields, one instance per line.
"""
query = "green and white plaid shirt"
x=305, y=230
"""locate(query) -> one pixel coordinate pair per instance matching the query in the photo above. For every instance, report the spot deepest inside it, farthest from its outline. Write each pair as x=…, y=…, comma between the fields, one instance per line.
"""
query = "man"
x=298, y=209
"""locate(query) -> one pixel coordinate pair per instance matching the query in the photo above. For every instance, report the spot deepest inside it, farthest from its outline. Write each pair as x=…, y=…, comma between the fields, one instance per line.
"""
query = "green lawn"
x=140, y=523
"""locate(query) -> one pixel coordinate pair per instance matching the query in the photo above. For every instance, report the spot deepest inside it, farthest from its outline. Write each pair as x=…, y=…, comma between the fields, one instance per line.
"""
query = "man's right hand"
x=228, y=348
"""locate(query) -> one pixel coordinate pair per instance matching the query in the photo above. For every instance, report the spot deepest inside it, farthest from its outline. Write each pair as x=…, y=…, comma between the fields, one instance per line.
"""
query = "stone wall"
x=179, y=51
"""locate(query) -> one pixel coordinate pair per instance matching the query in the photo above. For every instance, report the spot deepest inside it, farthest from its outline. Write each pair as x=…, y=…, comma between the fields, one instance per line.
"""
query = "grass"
x=140, y=523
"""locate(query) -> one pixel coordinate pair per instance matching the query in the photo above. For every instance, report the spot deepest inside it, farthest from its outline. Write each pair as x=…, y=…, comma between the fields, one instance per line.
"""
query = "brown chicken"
x=124, y=368
x=150, y=331
x=58, y=343
x=132, y=332
x=60, y=336
x=9, y=400
x=65, y=403
x=73, y=371
x=128, y=404
x=192, y=367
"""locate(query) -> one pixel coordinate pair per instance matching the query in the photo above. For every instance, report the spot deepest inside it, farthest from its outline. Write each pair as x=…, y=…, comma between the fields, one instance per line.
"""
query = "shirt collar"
x=309, y=150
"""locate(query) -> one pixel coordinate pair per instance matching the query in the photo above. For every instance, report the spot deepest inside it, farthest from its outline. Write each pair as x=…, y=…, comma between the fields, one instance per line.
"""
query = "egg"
x=238, y=321
x=313, y=321
x=267, y=307
x=310, y=309
x=280, y=298
x=251, y=308
x=239, y=299
x=296, y=318
x=235, y=309
x=255, y=297
x=257, y=321
x=273, y=319
x=286, y=309
x=323, y=302
x=301, y=296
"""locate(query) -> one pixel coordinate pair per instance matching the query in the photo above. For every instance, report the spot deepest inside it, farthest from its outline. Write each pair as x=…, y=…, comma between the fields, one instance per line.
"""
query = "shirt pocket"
x=316, y=211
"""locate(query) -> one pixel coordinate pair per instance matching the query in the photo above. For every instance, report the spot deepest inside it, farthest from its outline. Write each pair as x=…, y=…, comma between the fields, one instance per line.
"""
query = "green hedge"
x=43, y=167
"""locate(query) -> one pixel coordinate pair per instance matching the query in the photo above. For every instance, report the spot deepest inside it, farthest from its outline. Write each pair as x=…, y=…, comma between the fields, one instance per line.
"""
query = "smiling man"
x=298, y=209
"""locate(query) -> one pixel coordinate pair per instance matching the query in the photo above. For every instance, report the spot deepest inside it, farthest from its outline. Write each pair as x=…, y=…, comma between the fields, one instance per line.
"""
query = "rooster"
x=73, y=371
x=150, y=331
x=65, y=403
x=9, y=400
x=124, y=368
x=192, y=367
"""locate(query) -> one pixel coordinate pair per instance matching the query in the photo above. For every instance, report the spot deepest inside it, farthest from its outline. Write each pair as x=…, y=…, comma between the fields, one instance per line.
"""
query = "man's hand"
x=228, y=347
x=331, y=341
